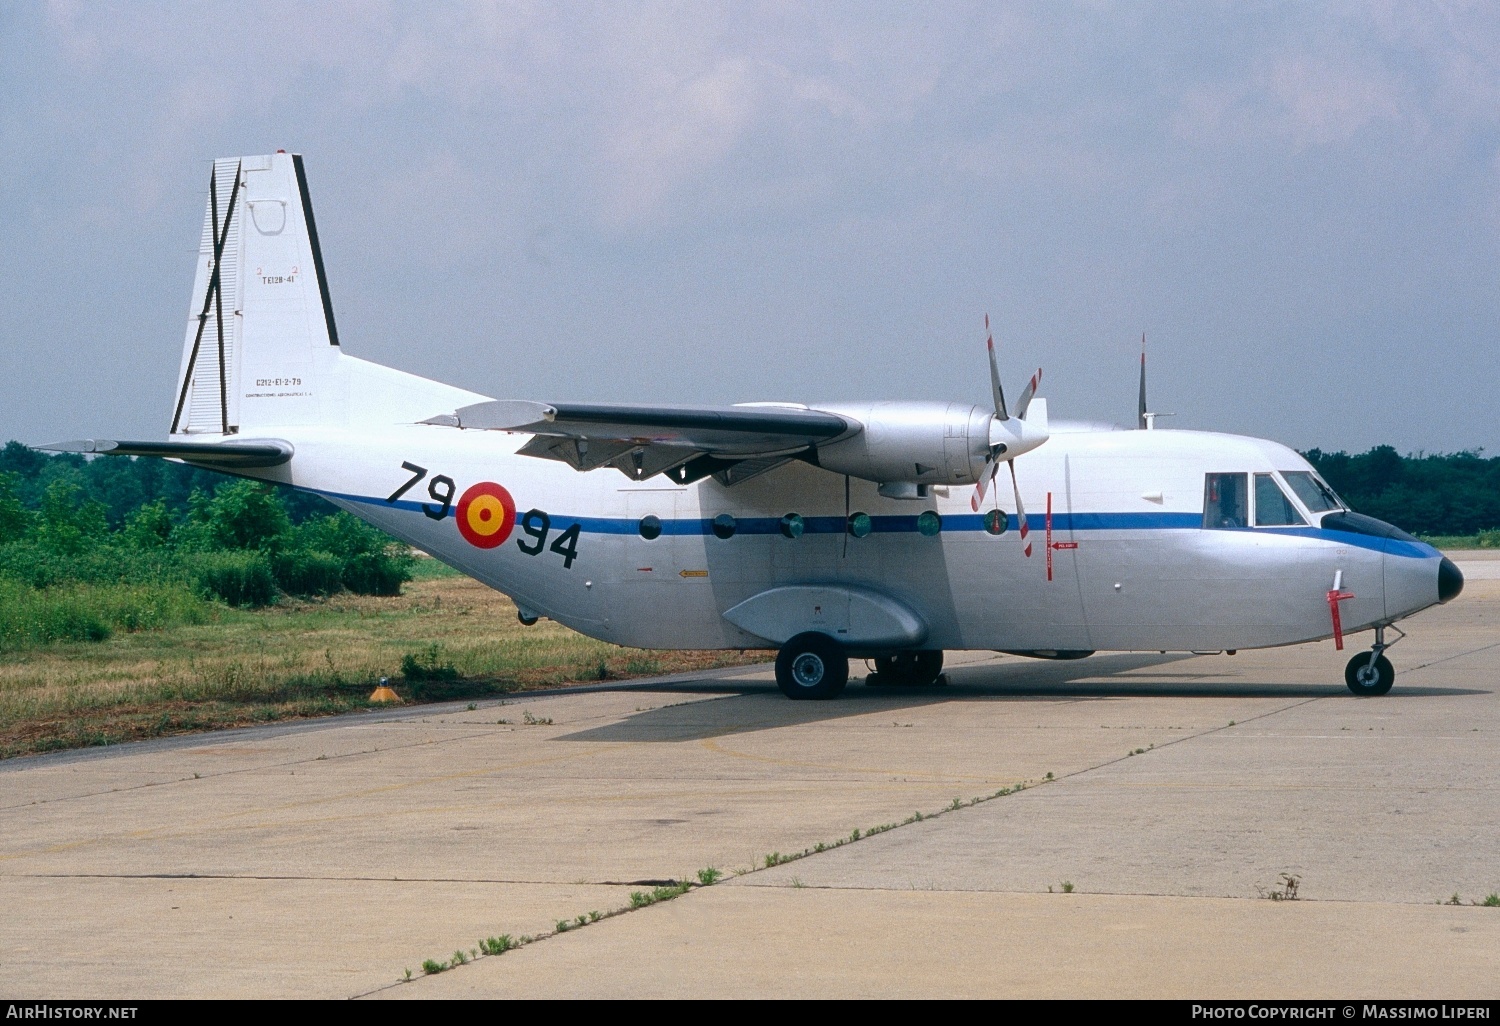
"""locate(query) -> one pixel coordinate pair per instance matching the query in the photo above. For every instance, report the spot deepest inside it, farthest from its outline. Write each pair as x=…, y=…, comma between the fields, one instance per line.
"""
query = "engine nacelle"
x=921, y=442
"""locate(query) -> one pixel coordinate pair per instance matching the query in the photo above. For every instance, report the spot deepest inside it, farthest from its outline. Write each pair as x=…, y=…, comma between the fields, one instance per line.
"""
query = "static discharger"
x=384, y=693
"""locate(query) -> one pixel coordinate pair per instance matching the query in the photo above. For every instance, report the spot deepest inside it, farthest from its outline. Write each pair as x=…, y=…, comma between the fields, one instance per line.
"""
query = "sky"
x=1298, y=204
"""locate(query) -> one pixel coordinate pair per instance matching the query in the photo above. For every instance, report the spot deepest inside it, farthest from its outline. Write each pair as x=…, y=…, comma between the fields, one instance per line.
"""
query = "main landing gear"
x=812, y=665
x=1370, y=673
x=907, y=669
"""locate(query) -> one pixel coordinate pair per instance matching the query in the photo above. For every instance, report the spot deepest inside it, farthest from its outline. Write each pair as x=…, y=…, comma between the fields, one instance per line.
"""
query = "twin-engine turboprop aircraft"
x=829, y=531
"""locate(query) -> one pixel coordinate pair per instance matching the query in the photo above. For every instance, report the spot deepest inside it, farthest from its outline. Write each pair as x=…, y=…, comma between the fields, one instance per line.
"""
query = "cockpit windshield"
x=1313, y=491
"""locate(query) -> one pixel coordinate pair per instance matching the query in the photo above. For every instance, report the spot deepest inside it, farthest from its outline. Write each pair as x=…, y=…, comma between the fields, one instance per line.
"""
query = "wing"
x=686, y=443
x=249, y=454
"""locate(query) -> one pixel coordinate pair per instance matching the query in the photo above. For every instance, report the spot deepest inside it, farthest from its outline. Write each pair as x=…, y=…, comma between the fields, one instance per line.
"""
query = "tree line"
x=1447, y=494
x=88, y=546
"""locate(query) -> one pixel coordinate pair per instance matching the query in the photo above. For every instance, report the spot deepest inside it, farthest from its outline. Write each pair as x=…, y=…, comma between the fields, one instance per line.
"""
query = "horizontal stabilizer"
x=248, y=454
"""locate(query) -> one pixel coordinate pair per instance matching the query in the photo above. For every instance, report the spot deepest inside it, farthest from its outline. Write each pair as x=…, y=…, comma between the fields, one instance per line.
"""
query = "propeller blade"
x=999, y=394
x=1026, y=396
x=985, y=480
x=1141, y=410
x=1020, y=510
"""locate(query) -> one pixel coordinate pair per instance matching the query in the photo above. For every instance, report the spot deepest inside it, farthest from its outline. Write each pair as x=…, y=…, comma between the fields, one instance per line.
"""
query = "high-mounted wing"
x=249, y=454
x=687, y=443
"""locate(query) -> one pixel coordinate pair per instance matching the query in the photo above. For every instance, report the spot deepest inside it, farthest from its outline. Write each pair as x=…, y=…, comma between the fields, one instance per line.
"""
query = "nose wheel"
x=1370, y=673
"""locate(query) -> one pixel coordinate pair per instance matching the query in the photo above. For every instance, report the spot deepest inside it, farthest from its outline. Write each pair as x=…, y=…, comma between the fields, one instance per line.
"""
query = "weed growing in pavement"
x=497, y=945
x=459, y=958
x=432, y=967
x=472, y=706
x=563, y=926
x=640, y=899
x=1286, y=889
x=1048, y=776
x=535, y=721
x=1067, y=886
x=594, y=917
x=797, y=882
x=708, y=876
x=1453, y=900
x=1491, y=900
x=407, y=977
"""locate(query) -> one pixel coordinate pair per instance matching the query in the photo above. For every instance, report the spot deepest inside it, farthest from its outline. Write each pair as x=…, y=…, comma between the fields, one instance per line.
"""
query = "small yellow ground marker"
x=384, y=693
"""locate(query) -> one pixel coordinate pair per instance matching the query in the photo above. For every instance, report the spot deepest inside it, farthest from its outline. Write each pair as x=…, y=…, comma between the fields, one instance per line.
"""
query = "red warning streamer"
x=1334, y=598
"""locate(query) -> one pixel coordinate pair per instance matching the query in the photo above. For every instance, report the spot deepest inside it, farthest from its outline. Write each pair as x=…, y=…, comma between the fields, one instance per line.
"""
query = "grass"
x=1285, y=889
x=666, y=892
x=299, y=659
x=1482, y=540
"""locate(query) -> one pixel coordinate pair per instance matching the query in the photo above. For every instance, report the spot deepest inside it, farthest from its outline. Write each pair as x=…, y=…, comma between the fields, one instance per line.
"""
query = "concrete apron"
x=324, y=858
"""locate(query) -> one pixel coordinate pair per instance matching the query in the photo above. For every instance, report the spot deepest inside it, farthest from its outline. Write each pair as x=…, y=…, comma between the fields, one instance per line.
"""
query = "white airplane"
x=829, y=531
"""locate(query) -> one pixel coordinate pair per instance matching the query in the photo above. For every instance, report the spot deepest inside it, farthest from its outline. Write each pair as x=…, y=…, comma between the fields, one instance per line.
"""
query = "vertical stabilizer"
x=261, y=344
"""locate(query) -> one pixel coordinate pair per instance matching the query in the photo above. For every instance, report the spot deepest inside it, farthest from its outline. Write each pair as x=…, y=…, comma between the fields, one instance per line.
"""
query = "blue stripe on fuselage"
x=907, y=524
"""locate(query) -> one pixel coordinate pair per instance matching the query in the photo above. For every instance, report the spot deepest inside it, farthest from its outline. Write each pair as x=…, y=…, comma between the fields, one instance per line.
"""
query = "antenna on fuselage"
x=1146, y=421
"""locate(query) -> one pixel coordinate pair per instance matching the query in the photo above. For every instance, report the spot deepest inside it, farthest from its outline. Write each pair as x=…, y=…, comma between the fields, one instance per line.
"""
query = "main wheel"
x=1366, y=680
x=812, y=665
x=908, y=669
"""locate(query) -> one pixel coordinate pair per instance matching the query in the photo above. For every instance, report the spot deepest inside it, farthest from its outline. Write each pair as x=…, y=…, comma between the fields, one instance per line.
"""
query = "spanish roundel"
x=486, y=515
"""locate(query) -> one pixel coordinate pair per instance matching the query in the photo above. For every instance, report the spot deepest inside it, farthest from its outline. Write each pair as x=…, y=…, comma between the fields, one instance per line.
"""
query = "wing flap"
x=643, y=441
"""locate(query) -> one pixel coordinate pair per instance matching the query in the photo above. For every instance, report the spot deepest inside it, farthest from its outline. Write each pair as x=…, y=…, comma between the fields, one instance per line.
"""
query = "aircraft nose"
x=1450, y=580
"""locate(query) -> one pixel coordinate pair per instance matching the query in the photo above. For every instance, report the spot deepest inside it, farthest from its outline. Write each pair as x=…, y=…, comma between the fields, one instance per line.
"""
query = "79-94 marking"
x=535, y=524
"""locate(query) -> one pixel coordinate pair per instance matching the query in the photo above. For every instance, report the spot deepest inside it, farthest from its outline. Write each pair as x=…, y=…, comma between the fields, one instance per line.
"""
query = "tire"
x=812, y=665
x=1368, y=681
x=908, y=669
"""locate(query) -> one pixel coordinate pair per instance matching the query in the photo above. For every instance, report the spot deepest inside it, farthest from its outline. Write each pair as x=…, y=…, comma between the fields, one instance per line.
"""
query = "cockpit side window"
x=1313, y=491
x=1226, y=501
x=1272, y=507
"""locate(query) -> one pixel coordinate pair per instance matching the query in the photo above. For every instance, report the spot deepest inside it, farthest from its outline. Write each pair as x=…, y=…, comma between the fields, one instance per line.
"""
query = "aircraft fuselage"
x=1132, y=566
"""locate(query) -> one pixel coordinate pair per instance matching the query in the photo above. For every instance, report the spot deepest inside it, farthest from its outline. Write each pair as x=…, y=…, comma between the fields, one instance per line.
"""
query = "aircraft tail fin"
x=262, y=346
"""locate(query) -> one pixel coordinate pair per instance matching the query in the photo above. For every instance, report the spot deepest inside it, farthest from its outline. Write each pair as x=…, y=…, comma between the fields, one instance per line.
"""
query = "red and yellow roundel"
x=486, y=515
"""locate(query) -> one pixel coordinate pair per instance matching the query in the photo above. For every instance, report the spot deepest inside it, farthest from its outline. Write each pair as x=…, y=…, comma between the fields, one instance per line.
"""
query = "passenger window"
x=1272, y=507
x=1226, y=501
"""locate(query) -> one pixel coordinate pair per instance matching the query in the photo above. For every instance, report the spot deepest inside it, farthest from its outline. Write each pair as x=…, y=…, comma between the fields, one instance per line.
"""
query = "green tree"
x=68, y=523
x=15, y=519
x=245, y=515
x=150, y=526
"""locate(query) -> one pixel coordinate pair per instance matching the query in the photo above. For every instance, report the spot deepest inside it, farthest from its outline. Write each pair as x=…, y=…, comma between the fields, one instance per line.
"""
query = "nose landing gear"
x=1370, y=673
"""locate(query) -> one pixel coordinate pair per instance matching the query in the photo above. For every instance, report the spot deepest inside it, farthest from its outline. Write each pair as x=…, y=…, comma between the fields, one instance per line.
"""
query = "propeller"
x=1009, y=437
